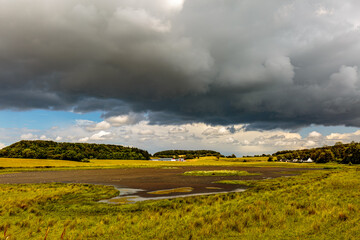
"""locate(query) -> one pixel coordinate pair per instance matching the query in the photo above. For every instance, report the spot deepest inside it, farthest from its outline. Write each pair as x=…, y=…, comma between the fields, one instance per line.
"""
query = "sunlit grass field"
x=8, y=165
x=315, y=205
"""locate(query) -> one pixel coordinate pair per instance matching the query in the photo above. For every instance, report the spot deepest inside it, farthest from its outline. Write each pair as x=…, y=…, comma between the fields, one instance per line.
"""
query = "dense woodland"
x=341, y=153
x=189, y=154
x=71, y=151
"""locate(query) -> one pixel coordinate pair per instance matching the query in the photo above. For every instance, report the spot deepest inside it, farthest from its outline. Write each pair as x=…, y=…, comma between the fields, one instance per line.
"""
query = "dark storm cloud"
x=270, y=64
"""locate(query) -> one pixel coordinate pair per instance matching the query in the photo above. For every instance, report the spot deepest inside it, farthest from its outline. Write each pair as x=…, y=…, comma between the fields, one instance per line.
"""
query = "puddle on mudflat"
x=173, y=190
x=121, y=199
x=128, y=191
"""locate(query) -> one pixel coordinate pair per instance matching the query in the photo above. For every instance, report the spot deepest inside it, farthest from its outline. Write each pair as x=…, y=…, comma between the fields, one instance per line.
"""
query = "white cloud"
x=84, y=139
x=226, y=139
x=44, y=137
x=141, y=18
x=355, y=136
x=84, y=122
x=122, y=120
x=321, y=11
x=285, y=143
x=2, y=145
x=344, y=80
x=216, y=131
x=336, y=136
x=314, y=134
x=174, y=5
x=231, y=140
x=104, y=125
x=115, y=121
x=28, y=136
x=310, y=143
x=177, y=129
x=146, y=132
x=102, y=135
x=143, y=139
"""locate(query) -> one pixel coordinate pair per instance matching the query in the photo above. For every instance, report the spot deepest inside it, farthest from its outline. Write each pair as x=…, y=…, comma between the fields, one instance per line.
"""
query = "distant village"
x=309, y=160
x=169, y=159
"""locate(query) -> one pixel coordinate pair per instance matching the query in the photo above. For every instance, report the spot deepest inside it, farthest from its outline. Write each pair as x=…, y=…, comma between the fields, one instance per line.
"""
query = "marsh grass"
x=12, y=165
x=122, y=200
x=239, y=182
x=219, y=173
x=173, y=190
x=315, y=205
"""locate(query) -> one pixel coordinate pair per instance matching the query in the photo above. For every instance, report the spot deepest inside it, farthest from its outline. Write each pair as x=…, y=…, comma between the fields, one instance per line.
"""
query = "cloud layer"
x=277, y=64
x=226, y=139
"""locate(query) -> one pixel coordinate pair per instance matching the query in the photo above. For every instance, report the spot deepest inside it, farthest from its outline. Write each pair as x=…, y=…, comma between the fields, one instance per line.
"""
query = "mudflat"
x=152, y=179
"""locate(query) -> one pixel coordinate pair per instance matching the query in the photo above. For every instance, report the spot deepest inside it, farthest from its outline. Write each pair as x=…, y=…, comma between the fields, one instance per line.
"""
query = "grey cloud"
x=270, y=64
x=177, y=130
x=122, y=120
x=146, y=132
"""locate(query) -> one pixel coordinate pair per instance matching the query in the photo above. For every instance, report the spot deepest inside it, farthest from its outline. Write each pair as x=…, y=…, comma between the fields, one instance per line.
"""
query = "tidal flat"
x=321, y=204
x=156, y=180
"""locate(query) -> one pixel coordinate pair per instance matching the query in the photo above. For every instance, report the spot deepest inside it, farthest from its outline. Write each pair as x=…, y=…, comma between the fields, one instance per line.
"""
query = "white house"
x=169, y=159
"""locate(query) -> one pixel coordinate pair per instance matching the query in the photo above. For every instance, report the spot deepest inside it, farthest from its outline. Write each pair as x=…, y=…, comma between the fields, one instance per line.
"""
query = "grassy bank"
x=315, y=205
x=219, y=173
x=9, y=165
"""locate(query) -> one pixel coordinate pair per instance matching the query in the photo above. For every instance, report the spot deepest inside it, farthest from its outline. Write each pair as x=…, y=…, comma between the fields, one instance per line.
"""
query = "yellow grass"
x=174, y=190
x=122, y=200
x=17, y=164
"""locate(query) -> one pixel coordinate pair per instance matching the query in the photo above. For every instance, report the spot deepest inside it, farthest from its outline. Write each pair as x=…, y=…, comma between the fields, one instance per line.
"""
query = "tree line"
x=341, y=153
x=71, y=151
x=189, y=154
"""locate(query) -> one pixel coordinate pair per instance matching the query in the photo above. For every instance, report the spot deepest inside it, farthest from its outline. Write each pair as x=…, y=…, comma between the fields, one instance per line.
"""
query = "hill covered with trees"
x=341, y=153
x=188, y=153
x=71, y=151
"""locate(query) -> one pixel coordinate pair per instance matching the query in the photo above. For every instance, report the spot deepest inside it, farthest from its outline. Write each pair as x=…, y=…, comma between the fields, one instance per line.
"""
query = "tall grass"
x=10, y=165
x=219, y=173
x=315, y=205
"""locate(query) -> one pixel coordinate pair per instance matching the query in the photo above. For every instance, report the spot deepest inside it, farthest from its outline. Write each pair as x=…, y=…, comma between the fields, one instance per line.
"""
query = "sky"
x=237, y=76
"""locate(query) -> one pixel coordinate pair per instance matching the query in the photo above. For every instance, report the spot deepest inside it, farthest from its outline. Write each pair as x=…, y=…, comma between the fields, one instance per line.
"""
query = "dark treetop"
x=71, y=151
x=187, y=153
x=342, y=153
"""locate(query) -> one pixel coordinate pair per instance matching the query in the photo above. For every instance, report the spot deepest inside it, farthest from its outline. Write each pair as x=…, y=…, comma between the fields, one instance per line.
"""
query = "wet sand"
x=151, y=179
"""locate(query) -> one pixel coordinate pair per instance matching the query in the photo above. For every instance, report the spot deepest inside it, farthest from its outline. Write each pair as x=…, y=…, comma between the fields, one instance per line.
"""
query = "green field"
x=316, y=205
x=322, y=204
x=9, y=165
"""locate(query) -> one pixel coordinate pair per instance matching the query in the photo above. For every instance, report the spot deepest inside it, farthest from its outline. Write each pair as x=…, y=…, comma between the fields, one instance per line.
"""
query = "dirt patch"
x=152, y=179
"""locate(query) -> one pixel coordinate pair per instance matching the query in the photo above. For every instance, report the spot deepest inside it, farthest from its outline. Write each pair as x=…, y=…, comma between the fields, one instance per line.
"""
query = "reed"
x=315, y=205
